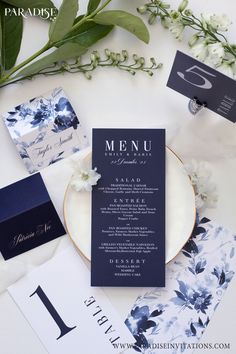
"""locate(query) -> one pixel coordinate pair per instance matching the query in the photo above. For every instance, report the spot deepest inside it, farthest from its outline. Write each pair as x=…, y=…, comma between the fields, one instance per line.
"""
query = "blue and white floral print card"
x=45, y=130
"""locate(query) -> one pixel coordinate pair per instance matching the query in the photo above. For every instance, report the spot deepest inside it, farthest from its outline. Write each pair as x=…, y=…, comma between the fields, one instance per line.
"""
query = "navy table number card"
x=128, y=208
x=27, y=217
x=192, y=78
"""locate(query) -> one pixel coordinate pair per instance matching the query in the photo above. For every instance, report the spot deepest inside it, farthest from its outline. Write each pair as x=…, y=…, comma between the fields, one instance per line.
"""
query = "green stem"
x=50, y=44
x=192, y=22
x=93, y=14
x=25, y=62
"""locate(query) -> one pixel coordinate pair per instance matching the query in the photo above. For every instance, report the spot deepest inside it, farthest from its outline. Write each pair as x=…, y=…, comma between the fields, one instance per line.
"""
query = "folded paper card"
x=65, y=312
x=194, y=79
x=45, y=130
x=27, y=217
x=173, y=320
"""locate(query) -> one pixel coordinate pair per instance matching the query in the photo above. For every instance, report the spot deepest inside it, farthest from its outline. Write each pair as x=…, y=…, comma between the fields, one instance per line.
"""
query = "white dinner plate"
x=180, y=210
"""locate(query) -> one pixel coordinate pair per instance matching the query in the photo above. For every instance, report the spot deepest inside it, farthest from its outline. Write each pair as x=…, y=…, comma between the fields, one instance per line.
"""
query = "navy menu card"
x=128, y=208
x=27, y=217
x=192, y=78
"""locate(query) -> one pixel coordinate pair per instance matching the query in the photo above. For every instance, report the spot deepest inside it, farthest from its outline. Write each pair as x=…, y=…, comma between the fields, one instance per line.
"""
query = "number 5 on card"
x=192, y=78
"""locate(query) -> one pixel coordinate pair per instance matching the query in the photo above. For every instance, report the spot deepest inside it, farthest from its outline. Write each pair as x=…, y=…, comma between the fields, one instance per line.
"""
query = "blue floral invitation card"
x=45, y=130
x=173, y=320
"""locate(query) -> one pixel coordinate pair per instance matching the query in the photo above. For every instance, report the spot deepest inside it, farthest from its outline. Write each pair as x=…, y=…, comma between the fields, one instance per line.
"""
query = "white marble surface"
x=114, y=99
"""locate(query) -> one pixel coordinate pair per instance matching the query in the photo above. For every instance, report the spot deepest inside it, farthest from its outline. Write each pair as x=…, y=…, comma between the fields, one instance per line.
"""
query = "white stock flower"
x=217, y=22
x=220, y=22
x=177, y=29
x=227, y=68
x=215, y=54
x=206, y=195
x=204, y=188
x=200, y=50
x=84, y=178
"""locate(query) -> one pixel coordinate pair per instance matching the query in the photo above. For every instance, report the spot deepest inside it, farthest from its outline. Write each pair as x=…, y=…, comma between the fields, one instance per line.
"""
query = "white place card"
x=66, y=313
x=45, y=130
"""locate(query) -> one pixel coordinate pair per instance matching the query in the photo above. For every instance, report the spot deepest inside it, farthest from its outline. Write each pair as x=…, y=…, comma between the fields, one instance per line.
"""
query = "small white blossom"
x=84, y=178
x=206, y=18
x=217, y=22
x=227, y=68
x=204, y=188
x=220, y=23
x=215, y=54
x=200, y=50
x=177, y=29
x=206, y=196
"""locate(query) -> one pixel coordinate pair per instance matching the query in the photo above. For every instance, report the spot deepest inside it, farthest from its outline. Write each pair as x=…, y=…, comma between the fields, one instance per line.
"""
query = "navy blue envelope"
x=27, y=217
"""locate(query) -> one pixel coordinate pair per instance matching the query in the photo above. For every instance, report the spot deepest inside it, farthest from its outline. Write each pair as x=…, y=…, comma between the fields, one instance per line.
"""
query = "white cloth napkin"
x=56, y=178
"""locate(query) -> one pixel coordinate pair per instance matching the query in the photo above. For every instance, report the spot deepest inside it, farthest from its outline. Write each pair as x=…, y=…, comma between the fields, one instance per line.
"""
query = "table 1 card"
x=194, y=79
x=66, y=313
x=128, y=208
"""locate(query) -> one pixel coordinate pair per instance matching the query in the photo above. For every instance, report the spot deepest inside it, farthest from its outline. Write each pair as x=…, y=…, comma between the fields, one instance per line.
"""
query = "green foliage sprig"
x=70, y=36
x=121, y=61
x=208, y=42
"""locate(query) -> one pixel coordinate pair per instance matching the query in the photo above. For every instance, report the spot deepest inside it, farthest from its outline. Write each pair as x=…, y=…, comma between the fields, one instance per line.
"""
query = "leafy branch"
x=121, y=61
x=70, y=36
x=208, y=43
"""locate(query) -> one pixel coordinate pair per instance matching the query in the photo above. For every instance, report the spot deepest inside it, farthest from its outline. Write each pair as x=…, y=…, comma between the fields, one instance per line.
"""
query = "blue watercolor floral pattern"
x=37, y=120
x=195, y=283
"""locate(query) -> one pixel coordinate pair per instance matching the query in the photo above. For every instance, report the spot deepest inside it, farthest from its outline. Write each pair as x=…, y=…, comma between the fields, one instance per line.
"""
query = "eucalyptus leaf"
x=11, y=36
x=65, y=52
x=92, y=5
x=87, y=34
x=78, y=19
x=125, y=20
x=64, y=20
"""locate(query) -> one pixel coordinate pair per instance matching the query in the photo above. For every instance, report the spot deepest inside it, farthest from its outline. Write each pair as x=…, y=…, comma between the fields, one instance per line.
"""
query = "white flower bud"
x=118, y=57
x=88, y=75
x=188, y=12
x=153, y=61
x=113, y=56
x=108, y=52
x=150, y=73
x=183, y=5
x=142, y=9
x=151, y=19
x=164, y=5
x=193, y=40
x=125, y=54
x=97, y=55
x=141, y=61
x=165, y=21
x=132, y=72
x=93, y=57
